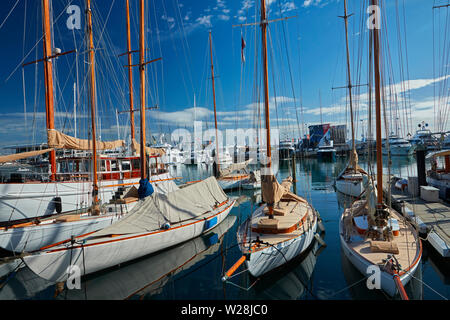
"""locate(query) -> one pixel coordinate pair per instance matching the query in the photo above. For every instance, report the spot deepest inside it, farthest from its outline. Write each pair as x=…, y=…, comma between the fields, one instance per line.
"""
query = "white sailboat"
x=69, y=184
x=372, y=234
x=157, y=222
x=38, y=233
x=285, y=225
x=350, y=180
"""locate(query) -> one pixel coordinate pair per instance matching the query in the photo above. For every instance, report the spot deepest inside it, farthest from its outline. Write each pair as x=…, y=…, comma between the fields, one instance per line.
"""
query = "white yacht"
x=425, y=137
x=398, y=146
x=286, y=149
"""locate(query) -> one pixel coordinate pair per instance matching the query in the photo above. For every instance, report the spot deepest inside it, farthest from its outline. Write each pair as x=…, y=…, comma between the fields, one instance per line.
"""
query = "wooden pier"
x=431, y=218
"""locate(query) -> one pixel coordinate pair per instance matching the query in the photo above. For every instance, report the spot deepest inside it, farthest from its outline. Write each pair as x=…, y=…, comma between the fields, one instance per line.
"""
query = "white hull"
x=30, y=200
x=98, y=254
x=230, y=184
x=270, y=258
x=34, y=237
x=251, y=186
x=387, y=283
x=350, y=188
x=399, y=151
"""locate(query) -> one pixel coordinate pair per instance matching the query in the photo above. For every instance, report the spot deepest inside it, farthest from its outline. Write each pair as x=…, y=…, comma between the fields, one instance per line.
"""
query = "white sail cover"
x=60, y=140
x=234, y=167
x=186, y=203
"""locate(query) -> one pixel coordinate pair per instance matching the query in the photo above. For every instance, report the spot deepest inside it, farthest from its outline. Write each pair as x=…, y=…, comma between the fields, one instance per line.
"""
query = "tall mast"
x=266, y=80
x=48, y=71
x=349, y=84
x=376, y=47
x=214, y=99
x=142, y=89
x=130, y=71
x=93, y=99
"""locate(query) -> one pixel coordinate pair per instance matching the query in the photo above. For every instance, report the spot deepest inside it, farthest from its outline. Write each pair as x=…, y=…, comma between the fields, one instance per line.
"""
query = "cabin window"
x=126, y=166
x=136, y=164
x=103, y=165
x=114, y=165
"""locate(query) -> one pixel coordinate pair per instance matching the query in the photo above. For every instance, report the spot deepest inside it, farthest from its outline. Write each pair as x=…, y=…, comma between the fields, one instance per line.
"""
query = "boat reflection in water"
x=292, y=281
x=145, y=277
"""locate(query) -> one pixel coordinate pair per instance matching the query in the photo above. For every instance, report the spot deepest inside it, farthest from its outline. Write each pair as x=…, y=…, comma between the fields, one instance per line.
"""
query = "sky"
x=307, y=59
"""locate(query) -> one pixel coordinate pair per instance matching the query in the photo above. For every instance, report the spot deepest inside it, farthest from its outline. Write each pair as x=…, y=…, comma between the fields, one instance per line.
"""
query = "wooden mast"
x=264, y=23
x=142, y=90
x=214, y=99
x=130, y=71
x=48, y=72
x=376, y=47
x=93, y=99
x=346, y=16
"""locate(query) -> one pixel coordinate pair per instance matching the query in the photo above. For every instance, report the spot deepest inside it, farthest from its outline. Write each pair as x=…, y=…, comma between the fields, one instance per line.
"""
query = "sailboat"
x=285, y=225
x=350, y=180
x=68, y=187
x=235, y=174
x=39, y=233
x=146, y=276
x=372, y=234
x=155, y=223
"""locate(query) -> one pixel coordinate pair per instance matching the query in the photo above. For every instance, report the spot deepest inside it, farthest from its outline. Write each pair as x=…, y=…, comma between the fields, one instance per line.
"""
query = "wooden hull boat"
x=35, y=235
x=120, y=243
x=144, y=277
x=232, y=181
x=269, y=244
x=363, y=253
x=351, y=183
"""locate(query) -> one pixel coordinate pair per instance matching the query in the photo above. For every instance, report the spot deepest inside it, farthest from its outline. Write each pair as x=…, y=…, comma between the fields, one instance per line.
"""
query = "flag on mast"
x=242, y=49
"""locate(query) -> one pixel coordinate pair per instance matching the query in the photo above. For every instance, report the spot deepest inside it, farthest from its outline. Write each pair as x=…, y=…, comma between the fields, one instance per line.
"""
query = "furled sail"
x=60, y=140
x=150, y=151
x=272, y=190
x=23, y=155
x=234, y=167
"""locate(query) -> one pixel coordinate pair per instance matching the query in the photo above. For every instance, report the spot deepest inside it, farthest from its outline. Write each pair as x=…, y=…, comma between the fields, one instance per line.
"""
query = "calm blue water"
x=194, y=269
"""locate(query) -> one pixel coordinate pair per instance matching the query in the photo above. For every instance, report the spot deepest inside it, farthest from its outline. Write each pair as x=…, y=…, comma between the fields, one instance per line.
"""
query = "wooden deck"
x=432, y=218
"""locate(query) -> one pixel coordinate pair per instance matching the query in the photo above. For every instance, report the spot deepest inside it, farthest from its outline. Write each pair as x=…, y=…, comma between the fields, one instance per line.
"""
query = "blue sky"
x=306, y=60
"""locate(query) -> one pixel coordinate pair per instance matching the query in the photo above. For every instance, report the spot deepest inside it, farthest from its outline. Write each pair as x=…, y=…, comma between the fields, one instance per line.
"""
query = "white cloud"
x=308, y=3
x=288, y=6
x=204, y=20
x=223, y=17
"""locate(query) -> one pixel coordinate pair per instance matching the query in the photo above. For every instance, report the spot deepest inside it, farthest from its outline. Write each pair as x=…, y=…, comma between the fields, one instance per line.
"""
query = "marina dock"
x=431, y=218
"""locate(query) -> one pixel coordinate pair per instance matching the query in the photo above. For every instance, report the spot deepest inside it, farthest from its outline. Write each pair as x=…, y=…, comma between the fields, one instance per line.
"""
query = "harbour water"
x=194, y=269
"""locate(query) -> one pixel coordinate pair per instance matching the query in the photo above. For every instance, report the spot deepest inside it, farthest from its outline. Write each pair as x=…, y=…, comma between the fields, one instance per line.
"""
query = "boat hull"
x=387, y=283
x=229, y=184
x=272, y=257
x=350, y=188
x=30, y=200
x=399, y=151
x=89, y=257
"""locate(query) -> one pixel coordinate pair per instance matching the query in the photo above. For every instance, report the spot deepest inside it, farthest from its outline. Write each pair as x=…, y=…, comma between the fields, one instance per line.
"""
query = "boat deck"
x=406, y=242
x=289, y=225
x=429, y=215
